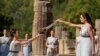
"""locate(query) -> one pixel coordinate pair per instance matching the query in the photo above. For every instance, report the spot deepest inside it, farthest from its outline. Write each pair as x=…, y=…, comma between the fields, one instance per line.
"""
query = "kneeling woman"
x=14, y=45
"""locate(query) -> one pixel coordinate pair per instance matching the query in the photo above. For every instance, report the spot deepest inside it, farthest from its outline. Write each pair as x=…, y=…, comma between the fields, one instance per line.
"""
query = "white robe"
x=13, y=47
x=51, y=43
x=4, y=48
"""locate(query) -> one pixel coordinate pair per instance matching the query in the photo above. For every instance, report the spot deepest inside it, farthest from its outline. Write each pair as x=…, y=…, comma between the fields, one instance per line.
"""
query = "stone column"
x=63, y=43
x=97, y=26
x=40, y=18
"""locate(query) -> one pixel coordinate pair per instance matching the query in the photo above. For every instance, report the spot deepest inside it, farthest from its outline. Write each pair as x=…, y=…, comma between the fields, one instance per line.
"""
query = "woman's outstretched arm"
x=69, y=23
x=28, y=41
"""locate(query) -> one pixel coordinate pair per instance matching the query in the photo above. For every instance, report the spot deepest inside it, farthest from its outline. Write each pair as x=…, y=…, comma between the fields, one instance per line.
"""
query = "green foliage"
x=70, y=10
x=20, y=12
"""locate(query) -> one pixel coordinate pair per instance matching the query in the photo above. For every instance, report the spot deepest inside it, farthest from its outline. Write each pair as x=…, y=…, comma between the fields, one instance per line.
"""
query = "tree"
x=20, y=12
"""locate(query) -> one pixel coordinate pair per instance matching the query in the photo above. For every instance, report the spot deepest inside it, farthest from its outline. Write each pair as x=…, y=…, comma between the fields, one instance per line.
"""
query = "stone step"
x=68, y=55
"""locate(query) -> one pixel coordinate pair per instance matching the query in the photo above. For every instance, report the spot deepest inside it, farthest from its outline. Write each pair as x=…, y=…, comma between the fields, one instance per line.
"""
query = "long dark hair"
x=88, y=18
x=12, y=32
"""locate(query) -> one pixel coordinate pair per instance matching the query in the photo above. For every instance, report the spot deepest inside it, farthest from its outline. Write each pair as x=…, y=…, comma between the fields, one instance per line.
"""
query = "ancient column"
x=97, y=26
x=40, y=18
x=63, y=43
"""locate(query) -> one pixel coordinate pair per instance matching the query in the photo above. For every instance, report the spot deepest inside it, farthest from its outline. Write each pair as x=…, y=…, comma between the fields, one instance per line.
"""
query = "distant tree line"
x=19, y=13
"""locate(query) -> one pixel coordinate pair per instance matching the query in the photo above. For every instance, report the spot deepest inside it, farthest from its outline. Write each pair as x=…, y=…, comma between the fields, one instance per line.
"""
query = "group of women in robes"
x=9, y=46
x=85, y=43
